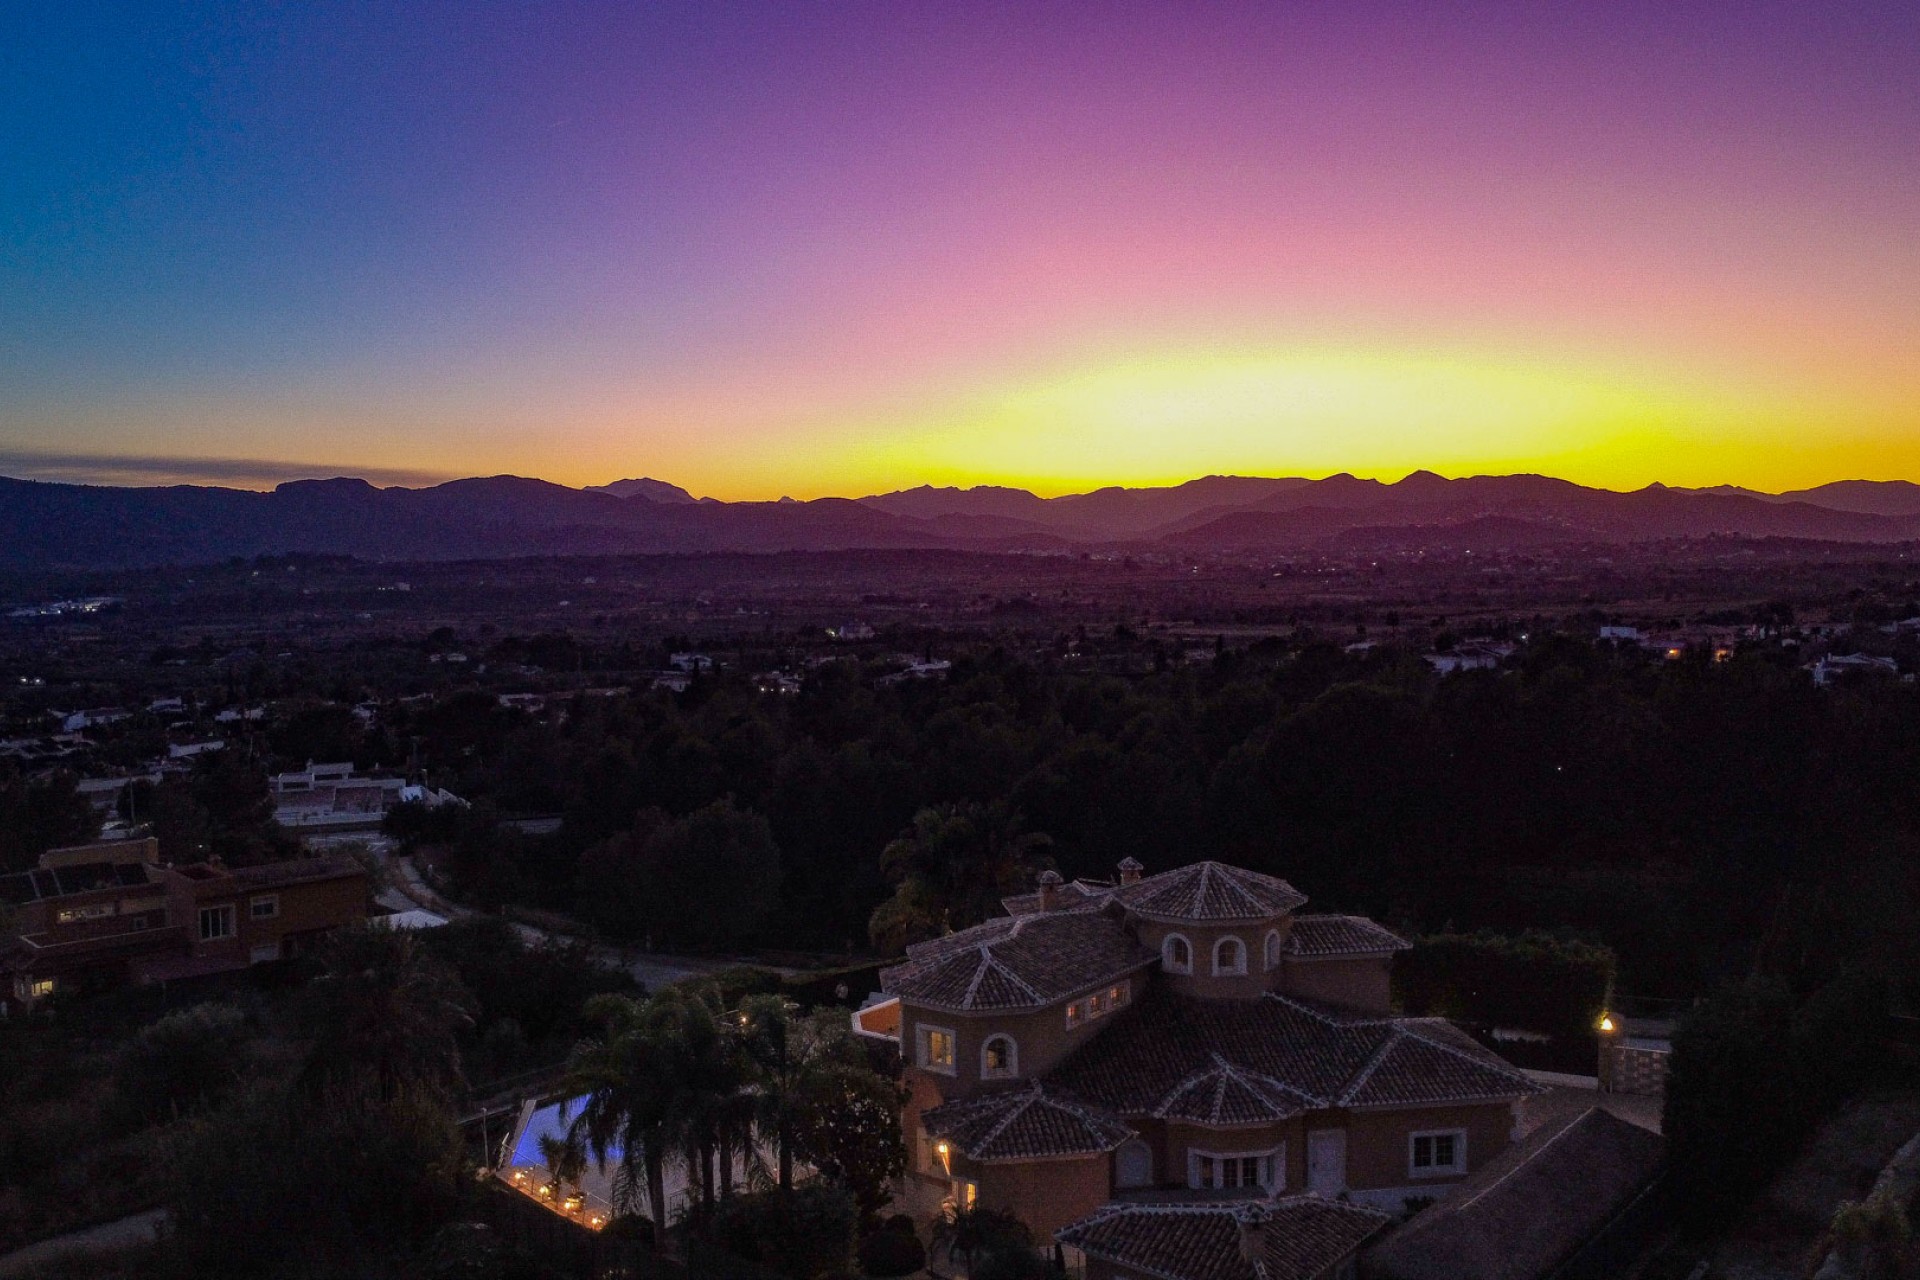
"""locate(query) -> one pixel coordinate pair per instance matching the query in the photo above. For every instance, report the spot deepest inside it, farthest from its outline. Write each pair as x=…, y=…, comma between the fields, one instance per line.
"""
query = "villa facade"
x=1110, y=1060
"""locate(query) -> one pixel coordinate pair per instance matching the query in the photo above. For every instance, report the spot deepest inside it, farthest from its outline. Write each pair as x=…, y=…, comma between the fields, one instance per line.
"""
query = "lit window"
x=1076, y=1014
x=936, y=1049
x=1441, y=1152
x=1096, y=1004
x=40, y=988
x=1273, y=949
x=265, y=907
x=965, y=1194
x=999, y=1058
x=93, y=911
x=1229, y=956
x=1117, y=997
x=216, y=922
x=1176, y=956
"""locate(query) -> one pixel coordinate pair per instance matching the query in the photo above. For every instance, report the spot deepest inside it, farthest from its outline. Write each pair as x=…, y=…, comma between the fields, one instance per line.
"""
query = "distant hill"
x=81, y=526
x=645, y=487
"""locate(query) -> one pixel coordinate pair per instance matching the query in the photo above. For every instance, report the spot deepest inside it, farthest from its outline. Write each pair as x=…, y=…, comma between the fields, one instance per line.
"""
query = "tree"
x=41, y=814
x=950, y=870
x=711, y=876
x=384, y=1009
x=645, y=1082
x=330, y=1183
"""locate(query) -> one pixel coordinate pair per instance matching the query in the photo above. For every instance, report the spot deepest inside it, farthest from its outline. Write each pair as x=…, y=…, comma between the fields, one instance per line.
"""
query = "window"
x=40, y=988
x=265, y=907
x=1229, y=956
x=1097, y=1005
x=216, y=922
x=965, y=1193
x=1441, y=1152
x=1220, y=1170
x=93, y=911
x=1176, y=954
x=1273, y=949
x=933, y=1155
x=999, y=1058
x=936, y=1049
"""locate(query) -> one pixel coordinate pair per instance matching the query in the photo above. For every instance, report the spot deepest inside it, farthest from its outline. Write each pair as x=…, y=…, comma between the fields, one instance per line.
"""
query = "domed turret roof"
x=1210, y=891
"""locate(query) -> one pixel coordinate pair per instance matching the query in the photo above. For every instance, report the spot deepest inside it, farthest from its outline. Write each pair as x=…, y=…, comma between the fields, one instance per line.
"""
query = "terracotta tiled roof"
x=1341, y=936
x=1210, y=891
x=1227, y=1095
x=1302, y=1237
x=1276, y=1052
x=1075, y=893
x=1526, y=1212
x=296, y=871
x=1025, y=1124
x=1020, y=962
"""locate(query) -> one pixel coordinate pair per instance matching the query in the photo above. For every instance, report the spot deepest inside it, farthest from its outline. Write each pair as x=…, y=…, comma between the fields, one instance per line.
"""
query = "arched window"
x=1273, y=949
x=999, y=1058
x=1229, y=956
x=1176, y=954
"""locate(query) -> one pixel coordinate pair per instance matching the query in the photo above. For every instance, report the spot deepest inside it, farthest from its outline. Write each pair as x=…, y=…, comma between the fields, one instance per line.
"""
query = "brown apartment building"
x=1167, y=1060
x=107, y=914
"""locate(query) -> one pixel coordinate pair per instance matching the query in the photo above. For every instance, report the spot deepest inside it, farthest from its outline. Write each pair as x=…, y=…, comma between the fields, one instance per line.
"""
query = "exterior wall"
x=306, y=908
x=1179, y=1140
x=1360, y=982
x=1041, y=1036
x=1048, y=1194
x=1377, y=1145
x=1202, y=982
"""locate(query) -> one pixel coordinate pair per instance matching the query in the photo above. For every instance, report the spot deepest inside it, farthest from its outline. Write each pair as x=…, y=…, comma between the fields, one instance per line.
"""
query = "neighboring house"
x=1187, y=1035
x=1835, y=666
x=102, y=915
x=1566, y=1196
x=1291, y=1238
x=331, y=797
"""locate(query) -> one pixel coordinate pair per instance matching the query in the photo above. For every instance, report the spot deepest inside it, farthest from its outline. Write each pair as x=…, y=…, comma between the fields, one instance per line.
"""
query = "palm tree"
x=625, y=1078
x=383, y=1007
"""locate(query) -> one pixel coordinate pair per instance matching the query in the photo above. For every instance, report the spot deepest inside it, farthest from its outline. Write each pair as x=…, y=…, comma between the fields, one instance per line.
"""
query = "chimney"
x=1252, y=1218
x=1049, y=890
x=1130, y=871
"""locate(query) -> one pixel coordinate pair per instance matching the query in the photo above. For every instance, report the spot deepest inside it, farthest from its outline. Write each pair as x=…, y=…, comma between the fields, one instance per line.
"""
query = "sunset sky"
x=810, y=248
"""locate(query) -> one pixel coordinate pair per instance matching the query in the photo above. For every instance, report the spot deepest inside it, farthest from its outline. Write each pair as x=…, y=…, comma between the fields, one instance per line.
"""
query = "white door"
x=1134, y=1165
x=1327, y=1161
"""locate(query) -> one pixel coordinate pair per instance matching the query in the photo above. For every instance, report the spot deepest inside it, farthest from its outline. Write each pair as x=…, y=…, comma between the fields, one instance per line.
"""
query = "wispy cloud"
x=239, y=473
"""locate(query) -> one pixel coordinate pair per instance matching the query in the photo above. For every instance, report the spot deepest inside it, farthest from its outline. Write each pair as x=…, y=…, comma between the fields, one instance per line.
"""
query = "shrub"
x=180, y=1061
x=798, y=1234
x=889, y=1252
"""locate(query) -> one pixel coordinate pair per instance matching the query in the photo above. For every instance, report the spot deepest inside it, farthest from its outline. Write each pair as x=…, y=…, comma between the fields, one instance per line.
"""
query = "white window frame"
x=1459, y=1165
x=1271, y=950
x=1238, y=945
x=1008, y=1072
x=1270, y=1170
x=923, y=1034
x=1166, y=953
x=271, y=901
x=223, y=911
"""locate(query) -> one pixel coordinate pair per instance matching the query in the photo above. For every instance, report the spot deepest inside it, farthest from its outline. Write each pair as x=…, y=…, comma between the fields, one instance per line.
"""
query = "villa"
x=1183, y=1064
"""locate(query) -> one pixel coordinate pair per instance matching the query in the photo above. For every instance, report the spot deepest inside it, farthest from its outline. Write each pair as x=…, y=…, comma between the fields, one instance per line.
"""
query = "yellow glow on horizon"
x=1169, y=418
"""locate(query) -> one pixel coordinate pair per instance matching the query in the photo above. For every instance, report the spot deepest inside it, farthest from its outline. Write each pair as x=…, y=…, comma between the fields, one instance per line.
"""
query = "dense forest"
x=1701, y=818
